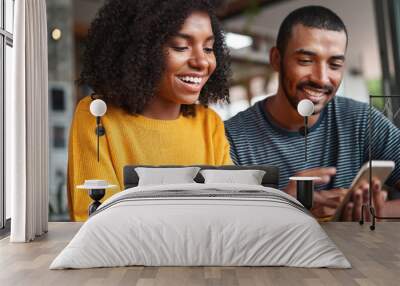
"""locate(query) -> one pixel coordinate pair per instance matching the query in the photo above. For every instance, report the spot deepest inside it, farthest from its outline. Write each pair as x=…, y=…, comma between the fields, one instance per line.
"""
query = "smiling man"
x=310, y=56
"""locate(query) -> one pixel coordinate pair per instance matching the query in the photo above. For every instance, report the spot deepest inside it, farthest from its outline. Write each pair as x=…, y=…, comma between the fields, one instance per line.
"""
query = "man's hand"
x=352, y=210
x=326, y=202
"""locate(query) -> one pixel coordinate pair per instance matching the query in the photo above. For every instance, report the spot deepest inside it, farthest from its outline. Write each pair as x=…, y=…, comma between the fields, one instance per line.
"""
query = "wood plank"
x=375, y=257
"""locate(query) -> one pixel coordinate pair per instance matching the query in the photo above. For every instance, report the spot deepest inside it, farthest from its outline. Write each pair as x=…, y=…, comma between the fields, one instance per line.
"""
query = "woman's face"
x=189, y=61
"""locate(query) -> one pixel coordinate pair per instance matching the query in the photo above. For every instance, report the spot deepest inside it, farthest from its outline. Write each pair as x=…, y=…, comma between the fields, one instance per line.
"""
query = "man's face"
x=312, y=65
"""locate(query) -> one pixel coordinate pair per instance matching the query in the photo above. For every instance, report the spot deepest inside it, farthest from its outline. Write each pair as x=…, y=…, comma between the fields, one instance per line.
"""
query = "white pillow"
x=165, y=176
x=248, y=177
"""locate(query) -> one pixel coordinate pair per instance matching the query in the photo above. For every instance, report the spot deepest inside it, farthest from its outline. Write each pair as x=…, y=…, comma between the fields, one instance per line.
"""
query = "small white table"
x=97, y=190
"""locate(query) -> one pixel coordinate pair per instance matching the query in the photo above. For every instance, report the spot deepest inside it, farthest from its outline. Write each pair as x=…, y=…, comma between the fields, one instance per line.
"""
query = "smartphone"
x=380, y=170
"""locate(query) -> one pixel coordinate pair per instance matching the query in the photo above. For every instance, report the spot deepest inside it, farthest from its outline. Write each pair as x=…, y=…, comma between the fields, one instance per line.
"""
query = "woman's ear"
x=275, y=59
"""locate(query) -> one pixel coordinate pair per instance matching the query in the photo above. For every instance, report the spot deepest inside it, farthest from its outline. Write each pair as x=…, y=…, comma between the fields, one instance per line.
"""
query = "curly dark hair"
x=123, y=61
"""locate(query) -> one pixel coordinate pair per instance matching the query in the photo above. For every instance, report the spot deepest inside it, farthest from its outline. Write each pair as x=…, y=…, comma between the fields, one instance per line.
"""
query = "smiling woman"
x=189, y=63
x=157, y=64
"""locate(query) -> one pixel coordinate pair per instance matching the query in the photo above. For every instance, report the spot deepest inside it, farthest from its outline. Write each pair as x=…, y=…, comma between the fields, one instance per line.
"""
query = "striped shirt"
x=338, y=139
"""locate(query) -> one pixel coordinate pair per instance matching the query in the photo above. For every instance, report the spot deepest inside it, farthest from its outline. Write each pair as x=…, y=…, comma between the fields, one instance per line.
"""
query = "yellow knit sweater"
x=131, y=139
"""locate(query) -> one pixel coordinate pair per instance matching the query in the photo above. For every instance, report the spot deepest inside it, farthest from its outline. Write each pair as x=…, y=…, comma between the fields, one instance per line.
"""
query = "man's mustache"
x=325, y=88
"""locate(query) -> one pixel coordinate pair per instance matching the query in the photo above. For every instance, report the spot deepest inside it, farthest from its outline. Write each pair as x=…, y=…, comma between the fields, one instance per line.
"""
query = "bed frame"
x=270, y=179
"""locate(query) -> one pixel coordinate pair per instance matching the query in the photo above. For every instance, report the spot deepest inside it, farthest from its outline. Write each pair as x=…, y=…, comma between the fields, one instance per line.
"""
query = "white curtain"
x=27, y=124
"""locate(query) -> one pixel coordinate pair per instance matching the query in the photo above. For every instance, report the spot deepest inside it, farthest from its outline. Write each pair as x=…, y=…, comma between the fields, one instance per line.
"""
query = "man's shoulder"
x=346, y=109
x=344, y=104
x=245, y=117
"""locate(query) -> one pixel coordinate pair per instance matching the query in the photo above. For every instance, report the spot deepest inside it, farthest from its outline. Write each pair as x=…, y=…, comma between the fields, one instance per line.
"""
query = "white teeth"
x=313, y=92
x=190, y=79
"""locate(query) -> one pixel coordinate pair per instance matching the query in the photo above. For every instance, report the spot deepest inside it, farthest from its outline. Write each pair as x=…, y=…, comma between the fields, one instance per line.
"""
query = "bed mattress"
x=201, y=225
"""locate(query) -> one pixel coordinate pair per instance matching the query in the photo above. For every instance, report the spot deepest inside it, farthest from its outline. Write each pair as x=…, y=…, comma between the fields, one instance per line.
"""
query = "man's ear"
x=275, y=58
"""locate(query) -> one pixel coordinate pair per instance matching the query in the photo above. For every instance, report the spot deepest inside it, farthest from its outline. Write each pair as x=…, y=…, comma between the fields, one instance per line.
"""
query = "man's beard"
x=293, y=100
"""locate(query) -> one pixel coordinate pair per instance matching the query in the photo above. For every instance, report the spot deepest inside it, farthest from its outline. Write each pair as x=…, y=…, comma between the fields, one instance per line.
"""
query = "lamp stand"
x=305, y=191
x=100, y=131
x=305, y=137
x=96, y=195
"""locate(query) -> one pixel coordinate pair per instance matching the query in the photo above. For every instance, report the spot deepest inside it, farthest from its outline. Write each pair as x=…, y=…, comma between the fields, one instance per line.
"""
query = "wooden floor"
x=374, y=255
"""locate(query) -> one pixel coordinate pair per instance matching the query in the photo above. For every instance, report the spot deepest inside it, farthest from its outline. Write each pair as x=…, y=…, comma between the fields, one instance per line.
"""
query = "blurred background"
x=373, y=62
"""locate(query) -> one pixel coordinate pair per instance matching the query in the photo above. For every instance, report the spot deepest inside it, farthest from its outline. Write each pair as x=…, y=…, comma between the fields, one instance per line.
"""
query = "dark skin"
x=188, y=54
x=312, y=67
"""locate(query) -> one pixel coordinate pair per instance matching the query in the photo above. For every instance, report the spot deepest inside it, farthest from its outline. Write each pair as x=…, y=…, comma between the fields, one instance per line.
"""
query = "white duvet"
x=201, y=224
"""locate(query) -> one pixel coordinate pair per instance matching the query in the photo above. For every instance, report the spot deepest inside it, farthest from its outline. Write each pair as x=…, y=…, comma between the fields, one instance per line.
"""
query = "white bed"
x=201, y=224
